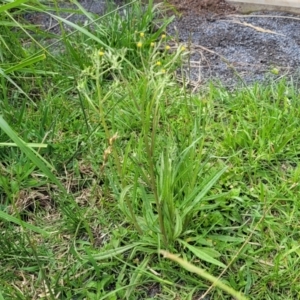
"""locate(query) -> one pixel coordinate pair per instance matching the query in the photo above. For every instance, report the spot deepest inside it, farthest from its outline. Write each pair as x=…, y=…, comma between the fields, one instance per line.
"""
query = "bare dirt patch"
x=248, y=45
x=202, y=7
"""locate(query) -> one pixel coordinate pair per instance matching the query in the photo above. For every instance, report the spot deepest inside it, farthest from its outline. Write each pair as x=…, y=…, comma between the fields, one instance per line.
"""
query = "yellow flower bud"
x=139, y=44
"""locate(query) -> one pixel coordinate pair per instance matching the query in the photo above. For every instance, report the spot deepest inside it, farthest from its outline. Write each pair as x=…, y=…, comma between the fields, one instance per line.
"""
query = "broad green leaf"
x=224, y=238
x=110, y=253
x=211, y=252
x=203, y=255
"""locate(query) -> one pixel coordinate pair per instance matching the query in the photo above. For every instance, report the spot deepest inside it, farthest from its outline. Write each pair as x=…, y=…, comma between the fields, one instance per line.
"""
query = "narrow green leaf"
x=178, y=225
x=35, y=157
x=189, y=204
x=12, y=24
x=11, y=5
x=17, y=221
x=81, y=29
x=149, y=217
x=201, y=272
x=84, y=11
x=229, y=239
x=14, y=84
x=25, y=63
x=30, y=145
x=1, y=296
x=134, y=281
x=122, y=202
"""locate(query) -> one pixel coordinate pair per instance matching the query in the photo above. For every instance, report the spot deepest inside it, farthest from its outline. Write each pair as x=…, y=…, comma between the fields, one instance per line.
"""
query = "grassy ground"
x=107, y=163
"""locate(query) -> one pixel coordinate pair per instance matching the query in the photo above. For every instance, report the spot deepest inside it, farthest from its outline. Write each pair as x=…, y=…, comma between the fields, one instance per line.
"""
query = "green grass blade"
x=42, y=164
x=25, y=63
x=135, y=278
x=30, y=145
x=17, y=86
x=17, y=221
x=82, y=30
x=201, y=272
x=11, y=5
x=189, y=204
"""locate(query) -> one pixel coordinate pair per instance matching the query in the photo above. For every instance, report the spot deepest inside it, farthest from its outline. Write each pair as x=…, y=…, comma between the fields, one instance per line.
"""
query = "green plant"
x=135, y=163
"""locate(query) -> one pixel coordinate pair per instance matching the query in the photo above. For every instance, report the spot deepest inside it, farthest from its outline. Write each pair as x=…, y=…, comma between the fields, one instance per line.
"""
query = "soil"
x=234, y=48
x=189, y=7
x=224, y=45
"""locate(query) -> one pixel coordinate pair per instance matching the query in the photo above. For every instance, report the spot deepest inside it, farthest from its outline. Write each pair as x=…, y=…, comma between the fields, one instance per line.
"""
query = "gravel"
x=250, y=45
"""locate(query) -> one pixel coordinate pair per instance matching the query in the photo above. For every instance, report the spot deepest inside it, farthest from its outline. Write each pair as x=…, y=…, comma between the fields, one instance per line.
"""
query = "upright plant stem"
x=115, y=154
x=103, y=122
x=146, y=113
x=154, y=189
